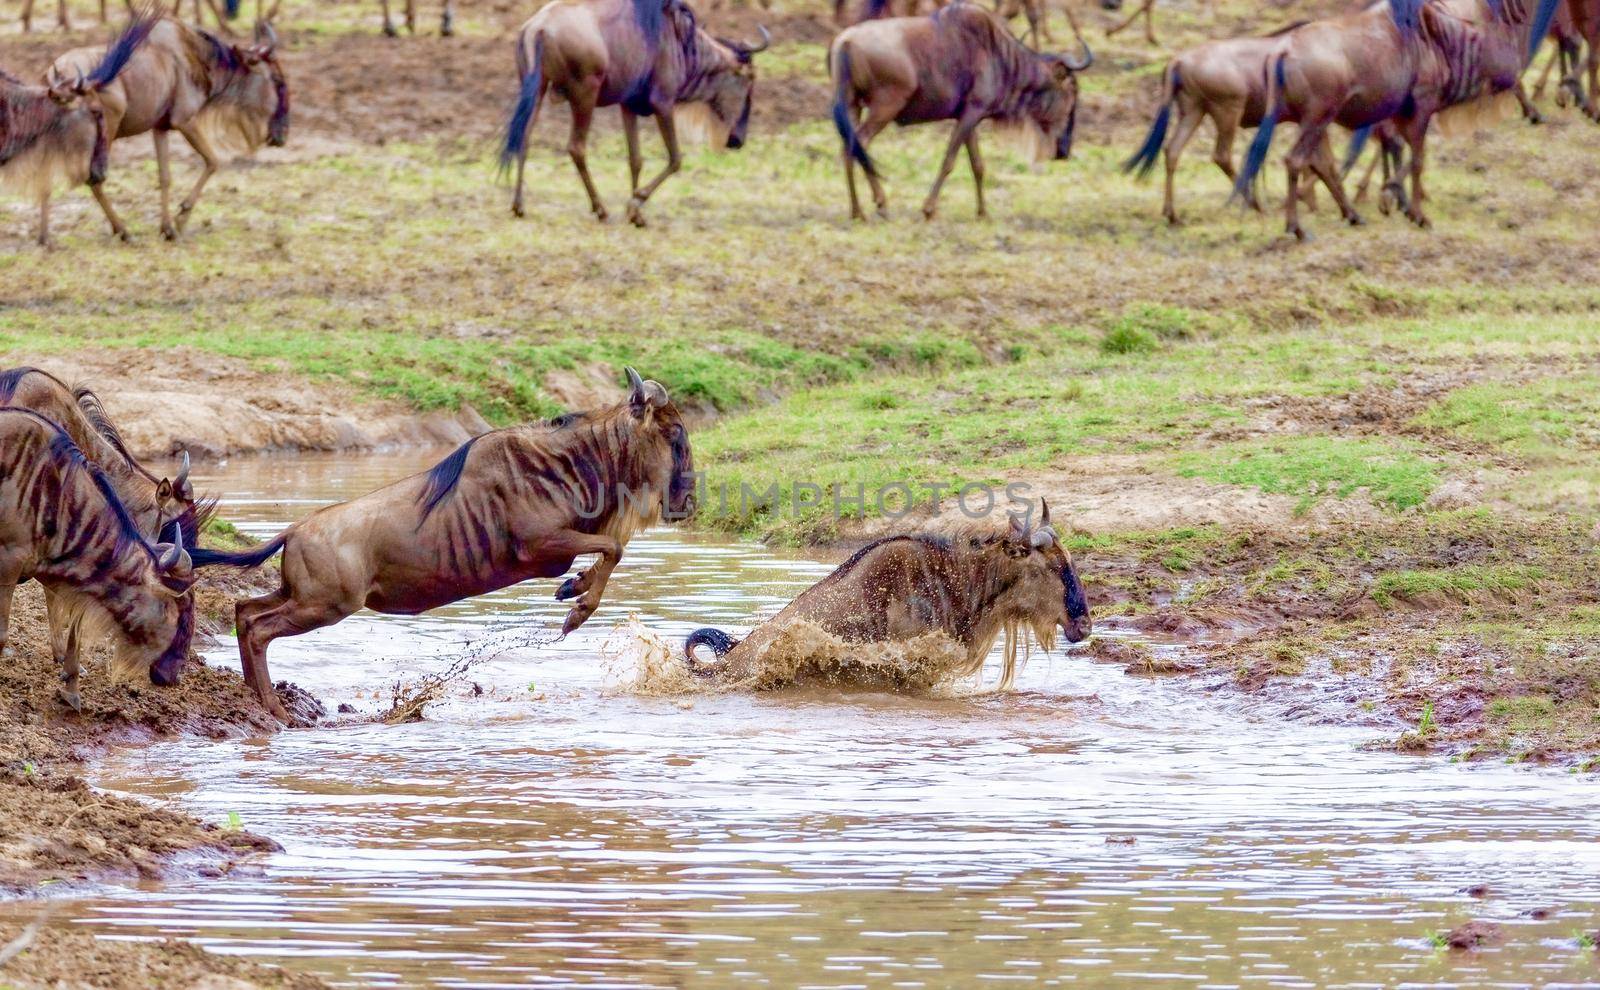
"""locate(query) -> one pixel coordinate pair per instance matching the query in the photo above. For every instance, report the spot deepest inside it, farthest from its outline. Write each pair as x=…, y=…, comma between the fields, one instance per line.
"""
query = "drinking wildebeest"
x=959, y=64
x=162, y=509
x=62, y=525
x=59, y=131
x=190, y=81
x=508, y=506
x=971, y=587
x=646, y=57
x=447, y=19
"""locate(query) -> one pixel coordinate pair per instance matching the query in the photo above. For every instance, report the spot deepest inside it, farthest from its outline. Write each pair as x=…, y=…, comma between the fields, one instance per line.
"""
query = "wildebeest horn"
x=174, y=559
x=181, y=485
x=1079, y=66
x=635, y=385
x=766, y=41
x=267, y=36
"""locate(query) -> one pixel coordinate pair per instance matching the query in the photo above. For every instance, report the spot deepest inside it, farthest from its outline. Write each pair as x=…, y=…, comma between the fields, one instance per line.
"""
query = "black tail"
x=1145, y=158
x=527, y=105
x=231, y=7
x=841, y=113
x=201, y=557
x=121, y=50
x=1358, y=144
x=1540, y=27
x=719, y=641
x=1257, y=155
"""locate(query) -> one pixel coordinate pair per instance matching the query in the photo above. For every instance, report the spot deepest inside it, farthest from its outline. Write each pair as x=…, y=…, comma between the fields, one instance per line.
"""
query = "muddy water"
x=1088, y=828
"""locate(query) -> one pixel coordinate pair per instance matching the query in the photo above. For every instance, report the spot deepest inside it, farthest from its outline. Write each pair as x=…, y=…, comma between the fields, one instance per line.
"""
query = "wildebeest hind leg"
x=388, y=22
x=447, y=19
x=577, y=147
x=7, y=589
x=1188, y=121
x=958, y=138
x=669, y=137
x=630, y=130
x=44, y=220
x=202, y=147
x=64, y=649
x=879, y=114
x=1327, y=170
x=162, y=141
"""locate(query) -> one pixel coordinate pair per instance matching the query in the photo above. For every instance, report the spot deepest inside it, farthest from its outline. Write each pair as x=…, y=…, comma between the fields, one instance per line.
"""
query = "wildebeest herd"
x=1384, y=70
x=116, y=548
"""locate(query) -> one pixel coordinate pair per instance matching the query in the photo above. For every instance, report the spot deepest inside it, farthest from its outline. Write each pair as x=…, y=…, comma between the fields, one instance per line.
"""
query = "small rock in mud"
x=345, y=708
x=1542, y=912
x=1594, y=940
x=1474, y=935
x=1476, y=890
x=1122, y=840
x=303, y=708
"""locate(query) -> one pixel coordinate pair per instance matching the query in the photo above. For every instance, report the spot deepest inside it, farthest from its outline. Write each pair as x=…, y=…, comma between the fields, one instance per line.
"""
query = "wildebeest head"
x=1049, y=581
x=175, y=574
x=1053, y=104
x=734, y=89
x=263, y=89
x=662, y=440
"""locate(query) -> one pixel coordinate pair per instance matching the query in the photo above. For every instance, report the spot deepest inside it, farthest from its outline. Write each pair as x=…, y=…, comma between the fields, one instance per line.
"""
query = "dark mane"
x=1407, y=16
x=95, y=413
x=67, y=455
x=1020, y=68
x=12, y=377
x=973, y=537
x=647, y=14
x=443, y=478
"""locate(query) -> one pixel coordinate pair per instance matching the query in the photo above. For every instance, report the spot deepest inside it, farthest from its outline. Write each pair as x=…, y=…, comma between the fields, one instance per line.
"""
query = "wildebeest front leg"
x=447, y=19
x=118, y=229
x=411, y=16
x=1416, y=136
x=162, y=140
x=958, y=137
x=388, y=22
x=259, y=621
x=669, y=137
x=202, y=147
x=64, y=648
x=44, y=220
x=975, y=159
x=1327, y=170
x=630, y=130
x=588, y=586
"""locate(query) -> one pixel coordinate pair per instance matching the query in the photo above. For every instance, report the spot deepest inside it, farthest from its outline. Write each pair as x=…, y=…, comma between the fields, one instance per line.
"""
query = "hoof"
x=1299, y=233
x=636, y=212
x=928, y=214
x=447, y=27
x=169, y=232
x=71, y=699
x=390, y=32
x=516, y=209
x=568, y=590
x=575, y=618
x=858, y=216
x=1355, y=220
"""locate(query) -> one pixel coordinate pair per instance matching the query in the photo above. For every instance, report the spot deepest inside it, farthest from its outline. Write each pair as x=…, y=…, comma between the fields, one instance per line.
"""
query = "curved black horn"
x=1088, y=57
x=766, y=41
x=174, y=552
x=183, y=471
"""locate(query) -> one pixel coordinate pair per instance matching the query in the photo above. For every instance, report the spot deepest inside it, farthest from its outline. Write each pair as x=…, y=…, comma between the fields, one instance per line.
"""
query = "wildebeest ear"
x=644, y=395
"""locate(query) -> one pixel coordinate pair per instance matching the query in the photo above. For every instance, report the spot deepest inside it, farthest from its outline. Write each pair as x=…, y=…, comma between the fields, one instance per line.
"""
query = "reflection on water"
x=1089, y=828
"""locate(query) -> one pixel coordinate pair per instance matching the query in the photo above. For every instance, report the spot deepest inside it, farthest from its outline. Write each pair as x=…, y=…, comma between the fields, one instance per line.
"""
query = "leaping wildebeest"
x=647, y=57
x=505, y=507
x=61, y=524
x=162, y=509
x=58, y=132
x=969, y=586
x=960, y=64
x=210, y=91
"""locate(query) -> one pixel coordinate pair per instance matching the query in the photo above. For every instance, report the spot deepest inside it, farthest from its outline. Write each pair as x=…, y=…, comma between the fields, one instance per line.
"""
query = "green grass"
x=1457, y=582
x=1313, y=467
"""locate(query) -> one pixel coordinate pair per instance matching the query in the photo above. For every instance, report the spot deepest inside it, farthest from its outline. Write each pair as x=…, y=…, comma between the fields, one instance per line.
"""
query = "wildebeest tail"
x=201, y=557
x=1145, y=158
x=719, y=641
x=841, y=111
x=1540, y=27
x=1257, y=155
x=1358, y=144
x=232, y=8
x=121, y=50
x=527, y=105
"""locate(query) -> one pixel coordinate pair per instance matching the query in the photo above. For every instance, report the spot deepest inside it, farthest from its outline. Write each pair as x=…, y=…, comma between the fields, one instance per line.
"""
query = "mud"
x=214, y=406
x=64, y=959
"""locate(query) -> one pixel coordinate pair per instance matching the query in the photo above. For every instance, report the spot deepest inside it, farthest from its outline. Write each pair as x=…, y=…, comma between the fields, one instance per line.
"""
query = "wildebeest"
x=162, y=510
x=959, y=64
x=848, y=12
x=59, y=131
x=646, y=57
x=1579, y=30
x=190, y=81
x=971, y=587
x=505, y=507
x=62, y=525
x=1147, y=10
x=1225, y=81
x=447, y=19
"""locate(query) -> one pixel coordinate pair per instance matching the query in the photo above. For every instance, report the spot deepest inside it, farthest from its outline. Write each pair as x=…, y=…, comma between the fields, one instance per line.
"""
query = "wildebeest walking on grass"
x=969, y=587
x=1225, y=81
x=959, y=64
x=647, y=57
x=190, y=81
x=59, y=131
x=163, y=510
x=508, y=506
x=62, y=525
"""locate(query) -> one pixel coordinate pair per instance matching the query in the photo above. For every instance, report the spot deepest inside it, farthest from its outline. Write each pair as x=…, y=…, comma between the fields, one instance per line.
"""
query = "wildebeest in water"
x=969, y=587
x=61, y=524
x=646, y=57
x=505, y=507
x=212, y=92
x=959, y=64
x=59, y=131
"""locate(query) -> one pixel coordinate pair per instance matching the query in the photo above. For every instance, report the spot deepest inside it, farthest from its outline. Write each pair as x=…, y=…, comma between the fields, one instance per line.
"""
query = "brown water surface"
x=1088, y=828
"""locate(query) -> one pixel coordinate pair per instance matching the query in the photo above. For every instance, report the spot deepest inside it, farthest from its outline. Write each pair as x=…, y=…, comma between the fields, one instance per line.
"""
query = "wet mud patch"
x=64, y=957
